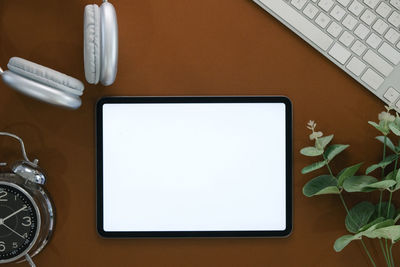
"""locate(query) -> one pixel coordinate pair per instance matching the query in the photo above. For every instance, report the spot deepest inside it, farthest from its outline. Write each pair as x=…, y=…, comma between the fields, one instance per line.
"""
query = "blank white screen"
x=194, y=167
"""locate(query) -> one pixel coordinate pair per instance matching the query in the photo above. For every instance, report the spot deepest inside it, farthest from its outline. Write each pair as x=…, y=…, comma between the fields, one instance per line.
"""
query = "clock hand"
x=12, y=214
x=12, y=230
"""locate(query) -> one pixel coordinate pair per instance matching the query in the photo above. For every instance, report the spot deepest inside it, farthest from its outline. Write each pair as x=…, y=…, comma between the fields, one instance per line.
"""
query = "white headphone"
x=100, y=59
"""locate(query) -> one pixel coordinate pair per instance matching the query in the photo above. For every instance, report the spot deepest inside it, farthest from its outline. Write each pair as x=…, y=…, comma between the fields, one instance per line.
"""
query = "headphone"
x=100, y=61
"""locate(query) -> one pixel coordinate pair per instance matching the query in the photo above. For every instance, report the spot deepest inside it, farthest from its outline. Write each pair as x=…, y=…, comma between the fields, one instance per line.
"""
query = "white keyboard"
x=362, y=37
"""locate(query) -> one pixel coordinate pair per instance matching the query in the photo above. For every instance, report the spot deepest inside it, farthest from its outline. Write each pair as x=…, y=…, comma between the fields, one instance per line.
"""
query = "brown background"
x=181, y=47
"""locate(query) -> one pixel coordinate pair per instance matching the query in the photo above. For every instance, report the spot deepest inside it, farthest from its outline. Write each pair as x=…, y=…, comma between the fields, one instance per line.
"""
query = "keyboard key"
x=356, y=66
x=344, y=2
x=334, y=29
x=383, y=10
x=346, y=38
x=392, y=36
x=300, y=23
x=349, y=22
x=356, y=8
x=358, y=48
x=372, y=78
x=326, y=4
x=374, y=40
x=339, y=53
x=371, y=3
x=391, y=94
x=311, y=11
x=322, y=20
x=368, y=17
x=298, y=3
x=380, y=26
x=395, y=3
x=398, y=104
x=389, y=53
x=338, y=12
x=378, y=62
x=394, y=19
x=361, y=31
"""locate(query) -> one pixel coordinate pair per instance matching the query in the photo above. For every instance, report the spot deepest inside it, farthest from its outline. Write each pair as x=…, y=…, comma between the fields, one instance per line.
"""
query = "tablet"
x=194, y=166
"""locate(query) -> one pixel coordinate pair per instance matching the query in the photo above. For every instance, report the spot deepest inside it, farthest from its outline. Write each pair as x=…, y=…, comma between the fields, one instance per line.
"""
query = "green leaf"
x=395, y=128
x=343, y=241
x=324, y=141
x=333, y=150
x=388, y=160
x=321, y=185
x=372, y=168
x=391, y=175
x=385, y=184
x=348, y=172
x=374, y=222
x=384, y=208
x=313, y=167
x=359, y=184
x=397, y=218
x=379, y=223
x=389, y=143
x=311, y=151
x=359, y=216
x=397, y=187
x=379, y=127
x=389, y=232
x=385, y=223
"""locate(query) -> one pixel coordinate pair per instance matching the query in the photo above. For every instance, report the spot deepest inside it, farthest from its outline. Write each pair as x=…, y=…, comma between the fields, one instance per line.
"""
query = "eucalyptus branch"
x=361, y=220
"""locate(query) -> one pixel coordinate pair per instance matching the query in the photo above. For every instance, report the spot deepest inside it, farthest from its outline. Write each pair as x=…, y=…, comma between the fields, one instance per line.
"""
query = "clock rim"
x=39, y=222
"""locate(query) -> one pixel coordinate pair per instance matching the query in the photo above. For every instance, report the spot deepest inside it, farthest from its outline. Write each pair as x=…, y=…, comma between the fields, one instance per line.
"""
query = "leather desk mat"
x=180, y=47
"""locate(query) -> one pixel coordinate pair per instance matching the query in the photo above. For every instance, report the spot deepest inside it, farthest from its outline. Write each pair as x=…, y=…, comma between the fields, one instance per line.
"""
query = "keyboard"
x=362, y=37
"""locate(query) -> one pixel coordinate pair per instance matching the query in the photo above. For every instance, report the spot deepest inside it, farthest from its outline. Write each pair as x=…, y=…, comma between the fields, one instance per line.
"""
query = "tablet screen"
x=194, y=167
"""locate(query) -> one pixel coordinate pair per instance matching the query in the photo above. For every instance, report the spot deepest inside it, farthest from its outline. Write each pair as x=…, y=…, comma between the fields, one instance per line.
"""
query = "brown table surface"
x=181, y=47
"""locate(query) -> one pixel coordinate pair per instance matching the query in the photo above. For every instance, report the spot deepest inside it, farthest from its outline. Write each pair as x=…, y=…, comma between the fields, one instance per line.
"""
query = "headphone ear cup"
x=43, y=83
x=91, y=32
x=109, y=43
x=45, y=76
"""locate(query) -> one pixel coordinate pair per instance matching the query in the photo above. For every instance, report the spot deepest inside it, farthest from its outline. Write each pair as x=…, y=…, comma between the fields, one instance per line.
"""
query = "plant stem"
x=391, y=255
x=390, y=200
x=384, y=253
x=382, y=174
x=369, y=255
x=390, y=196
x=344, y=203
x=380, y=203
x=329, y=168
x=388, y=254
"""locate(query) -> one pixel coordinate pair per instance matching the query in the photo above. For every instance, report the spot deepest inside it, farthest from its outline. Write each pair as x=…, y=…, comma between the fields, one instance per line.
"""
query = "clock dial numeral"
x=19, y=224
x=3, y=194
x=27, y=221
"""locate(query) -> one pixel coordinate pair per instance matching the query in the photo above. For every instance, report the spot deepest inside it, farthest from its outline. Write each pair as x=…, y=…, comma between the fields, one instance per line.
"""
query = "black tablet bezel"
x=211, y=99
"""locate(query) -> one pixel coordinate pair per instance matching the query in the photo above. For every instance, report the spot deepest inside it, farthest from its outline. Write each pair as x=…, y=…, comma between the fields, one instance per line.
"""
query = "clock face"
x=19, y=221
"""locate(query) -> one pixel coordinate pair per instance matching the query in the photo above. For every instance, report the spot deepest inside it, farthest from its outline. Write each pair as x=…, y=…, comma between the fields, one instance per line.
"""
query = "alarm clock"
x=26, y=210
